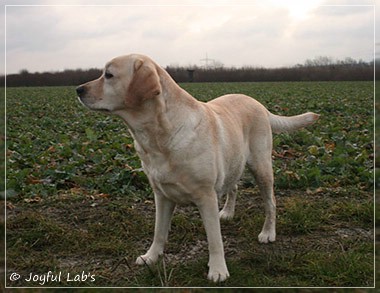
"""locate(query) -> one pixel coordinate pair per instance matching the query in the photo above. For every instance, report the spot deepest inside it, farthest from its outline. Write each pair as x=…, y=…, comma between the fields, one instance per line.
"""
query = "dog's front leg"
x=208, y=207
x=164, y=212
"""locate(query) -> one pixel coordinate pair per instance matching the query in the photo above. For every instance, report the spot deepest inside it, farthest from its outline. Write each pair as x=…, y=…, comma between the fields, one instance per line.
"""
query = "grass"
x=78, y=202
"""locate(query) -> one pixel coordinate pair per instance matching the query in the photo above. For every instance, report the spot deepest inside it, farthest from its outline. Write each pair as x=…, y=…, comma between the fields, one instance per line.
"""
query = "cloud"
x=339, y=32
x=41, y=38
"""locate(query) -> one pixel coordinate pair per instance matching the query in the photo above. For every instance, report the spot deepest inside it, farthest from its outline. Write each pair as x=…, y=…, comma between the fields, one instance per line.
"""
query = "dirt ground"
x=75, y=232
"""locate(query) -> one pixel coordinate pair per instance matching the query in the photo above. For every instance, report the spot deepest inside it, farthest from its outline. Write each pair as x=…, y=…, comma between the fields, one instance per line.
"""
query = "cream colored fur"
x=192, y=152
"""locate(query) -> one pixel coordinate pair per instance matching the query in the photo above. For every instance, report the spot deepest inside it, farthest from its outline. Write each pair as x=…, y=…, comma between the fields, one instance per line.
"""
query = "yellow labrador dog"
x=192, y=152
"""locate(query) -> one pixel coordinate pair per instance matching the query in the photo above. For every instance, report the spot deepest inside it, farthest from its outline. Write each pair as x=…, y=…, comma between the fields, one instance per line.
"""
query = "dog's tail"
x=287, y=124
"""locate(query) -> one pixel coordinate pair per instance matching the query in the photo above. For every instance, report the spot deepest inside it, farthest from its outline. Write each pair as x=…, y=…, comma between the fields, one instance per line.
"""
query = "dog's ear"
x=138, y=63
x=145, y=83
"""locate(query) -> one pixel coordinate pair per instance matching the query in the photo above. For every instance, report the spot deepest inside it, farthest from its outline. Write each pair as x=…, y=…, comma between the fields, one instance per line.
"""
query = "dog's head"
x=127, y=82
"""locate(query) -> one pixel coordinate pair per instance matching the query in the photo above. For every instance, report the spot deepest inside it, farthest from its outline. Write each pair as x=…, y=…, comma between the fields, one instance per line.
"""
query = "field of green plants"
x=78, y=202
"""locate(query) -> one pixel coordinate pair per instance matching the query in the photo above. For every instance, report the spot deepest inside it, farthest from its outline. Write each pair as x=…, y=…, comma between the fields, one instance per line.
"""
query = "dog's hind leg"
x=260, y=163
x=228, y=210
x=264, y=178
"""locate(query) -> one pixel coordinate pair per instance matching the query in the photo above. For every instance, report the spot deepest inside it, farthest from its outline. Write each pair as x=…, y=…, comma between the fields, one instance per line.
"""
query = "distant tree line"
x=318, y=69
x=61, y=78
x=300, y=73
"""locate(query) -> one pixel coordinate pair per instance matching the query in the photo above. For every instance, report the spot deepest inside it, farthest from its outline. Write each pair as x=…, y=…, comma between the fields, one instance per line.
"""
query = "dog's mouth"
x=92, y=107
x=102, y=110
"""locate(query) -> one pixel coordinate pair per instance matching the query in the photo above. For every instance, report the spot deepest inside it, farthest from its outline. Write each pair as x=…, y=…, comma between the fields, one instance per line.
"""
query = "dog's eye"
x=108, y=75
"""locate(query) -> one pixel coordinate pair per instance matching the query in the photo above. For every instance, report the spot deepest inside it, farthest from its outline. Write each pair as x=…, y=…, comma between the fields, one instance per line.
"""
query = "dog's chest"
x=168, y=182
x=165, y=177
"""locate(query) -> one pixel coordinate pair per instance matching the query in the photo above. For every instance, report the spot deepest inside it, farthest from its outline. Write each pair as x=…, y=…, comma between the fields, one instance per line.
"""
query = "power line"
x=207, y=61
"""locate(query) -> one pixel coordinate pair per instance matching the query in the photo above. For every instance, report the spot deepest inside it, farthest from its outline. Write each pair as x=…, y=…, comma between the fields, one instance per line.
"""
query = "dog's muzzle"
x=80, y=91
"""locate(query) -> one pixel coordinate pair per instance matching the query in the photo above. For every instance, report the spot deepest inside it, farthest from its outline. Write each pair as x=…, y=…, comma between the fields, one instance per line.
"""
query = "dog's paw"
x=226, y=215
x=218, y=275
x=145, y=259
x=267, y=236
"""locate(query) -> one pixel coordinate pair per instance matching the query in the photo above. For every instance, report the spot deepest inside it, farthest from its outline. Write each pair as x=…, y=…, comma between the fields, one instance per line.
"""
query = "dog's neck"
x=157, y=126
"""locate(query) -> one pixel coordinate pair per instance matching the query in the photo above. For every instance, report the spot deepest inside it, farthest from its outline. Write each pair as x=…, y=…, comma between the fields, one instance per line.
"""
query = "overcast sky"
x=266, y=33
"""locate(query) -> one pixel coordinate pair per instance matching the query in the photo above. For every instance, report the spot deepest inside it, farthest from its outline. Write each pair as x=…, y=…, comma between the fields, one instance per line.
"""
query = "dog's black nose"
x=80, y=90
